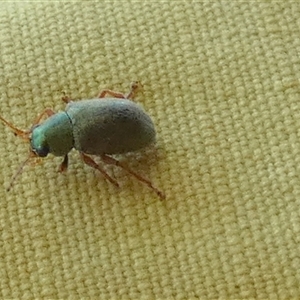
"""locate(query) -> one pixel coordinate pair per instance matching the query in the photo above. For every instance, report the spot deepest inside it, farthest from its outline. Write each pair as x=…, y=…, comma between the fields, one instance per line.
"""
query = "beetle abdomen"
x=110, y=126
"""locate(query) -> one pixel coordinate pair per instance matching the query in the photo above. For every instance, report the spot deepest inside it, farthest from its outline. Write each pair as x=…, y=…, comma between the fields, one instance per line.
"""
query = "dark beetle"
x=101, y=127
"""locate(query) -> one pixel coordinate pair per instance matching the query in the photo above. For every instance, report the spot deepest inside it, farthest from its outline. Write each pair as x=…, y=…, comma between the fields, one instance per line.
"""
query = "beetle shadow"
x=143, y=159
x=141, y=162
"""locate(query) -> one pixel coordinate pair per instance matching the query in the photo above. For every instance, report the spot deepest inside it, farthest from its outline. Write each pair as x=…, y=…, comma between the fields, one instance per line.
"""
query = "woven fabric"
x=221, y=82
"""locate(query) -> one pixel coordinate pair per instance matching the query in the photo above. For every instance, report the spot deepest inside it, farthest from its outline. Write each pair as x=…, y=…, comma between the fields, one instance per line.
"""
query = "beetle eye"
x=41, y=151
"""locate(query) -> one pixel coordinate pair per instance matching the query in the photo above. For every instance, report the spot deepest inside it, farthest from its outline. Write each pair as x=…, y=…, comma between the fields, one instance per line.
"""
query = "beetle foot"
x=133, y=88
x=112, y=161
x=66, y=99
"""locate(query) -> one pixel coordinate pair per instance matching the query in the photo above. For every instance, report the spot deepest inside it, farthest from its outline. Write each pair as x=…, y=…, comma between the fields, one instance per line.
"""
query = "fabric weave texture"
x=221, y=82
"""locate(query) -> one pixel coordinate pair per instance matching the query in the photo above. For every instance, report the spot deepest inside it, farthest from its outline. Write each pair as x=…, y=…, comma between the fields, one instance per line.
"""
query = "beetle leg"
x=105, y=92
x=26, y=133
x=112, y=161
x=21, y=133
x=48, y=111
x=133, y=88
x=64, y=165
x=66, y=99
x=89, y=161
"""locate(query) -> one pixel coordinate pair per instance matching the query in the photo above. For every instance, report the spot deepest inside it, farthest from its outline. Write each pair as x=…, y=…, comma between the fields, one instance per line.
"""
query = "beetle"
x=101, y=126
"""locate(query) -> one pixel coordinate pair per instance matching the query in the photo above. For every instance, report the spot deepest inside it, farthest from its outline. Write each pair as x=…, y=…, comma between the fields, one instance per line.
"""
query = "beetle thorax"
x=54, y=136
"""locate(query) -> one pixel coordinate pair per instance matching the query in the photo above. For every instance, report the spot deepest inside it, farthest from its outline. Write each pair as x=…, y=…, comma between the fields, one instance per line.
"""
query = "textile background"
x=221, y=82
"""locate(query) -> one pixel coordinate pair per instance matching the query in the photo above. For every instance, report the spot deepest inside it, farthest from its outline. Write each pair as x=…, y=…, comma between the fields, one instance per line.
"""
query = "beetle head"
x=38, y=143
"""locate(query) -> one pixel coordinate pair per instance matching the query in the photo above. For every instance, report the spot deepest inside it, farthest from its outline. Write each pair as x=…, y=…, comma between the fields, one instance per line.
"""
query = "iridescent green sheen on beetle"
x=100, y=126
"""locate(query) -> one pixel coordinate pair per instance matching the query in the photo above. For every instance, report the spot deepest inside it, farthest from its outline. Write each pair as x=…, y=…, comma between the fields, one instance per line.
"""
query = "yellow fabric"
x=221, y=82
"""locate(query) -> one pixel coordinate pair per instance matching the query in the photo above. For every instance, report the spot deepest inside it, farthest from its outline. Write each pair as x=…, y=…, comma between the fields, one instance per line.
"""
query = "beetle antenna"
x=20, y=169
x=22, y=133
